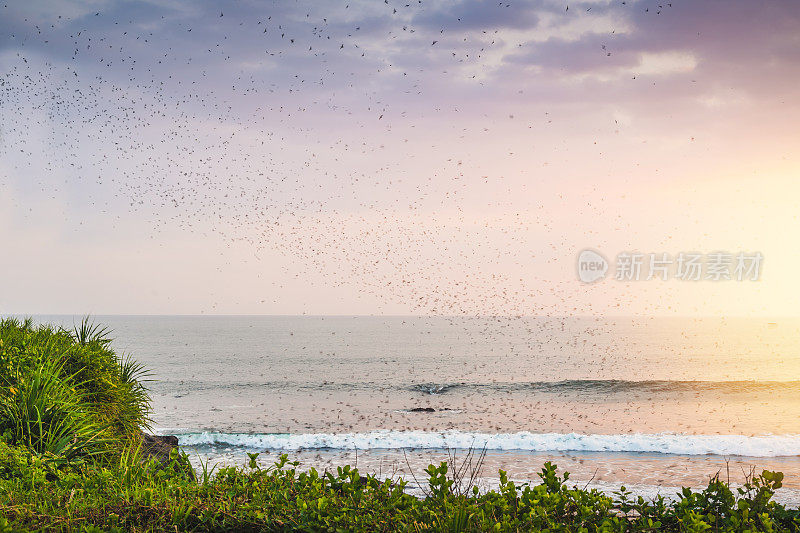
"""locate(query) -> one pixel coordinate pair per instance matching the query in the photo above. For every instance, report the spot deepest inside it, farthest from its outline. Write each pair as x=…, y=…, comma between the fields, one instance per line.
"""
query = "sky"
x=385, y=157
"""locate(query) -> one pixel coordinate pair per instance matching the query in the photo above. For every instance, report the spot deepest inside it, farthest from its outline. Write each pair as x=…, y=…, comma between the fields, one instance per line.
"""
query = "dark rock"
x=159, y=447
x=422, y=410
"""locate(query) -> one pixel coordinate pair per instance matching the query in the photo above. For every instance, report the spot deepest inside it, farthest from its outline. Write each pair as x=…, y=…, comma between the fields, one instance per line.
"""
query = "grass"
x=69, y=461
x=67, y=393
x=46, y=413
x=135, y=496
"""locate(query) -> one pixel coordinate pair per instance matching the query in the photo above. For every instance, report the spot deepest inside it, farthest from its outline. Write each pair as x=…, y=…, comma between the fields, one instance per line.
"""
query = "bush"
x=131, y=495
x=66, y=393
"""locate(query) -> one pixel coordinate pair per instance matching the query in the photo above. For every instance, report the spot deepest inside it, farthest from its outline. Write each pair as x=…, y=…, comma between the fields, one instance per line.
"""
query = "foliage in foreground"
x=66, y=393
x=36, y=494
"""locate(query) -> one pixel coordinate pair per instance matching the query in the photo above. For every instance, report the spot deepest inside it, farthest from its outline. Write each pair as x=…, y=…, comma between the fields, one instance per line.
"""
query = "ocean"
x=650, y=403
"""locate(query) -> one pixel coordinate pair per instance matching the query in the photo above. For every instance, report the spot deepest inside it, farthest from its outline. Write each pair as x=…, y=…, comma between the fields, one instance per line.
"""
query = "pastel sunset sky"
x=385, y=157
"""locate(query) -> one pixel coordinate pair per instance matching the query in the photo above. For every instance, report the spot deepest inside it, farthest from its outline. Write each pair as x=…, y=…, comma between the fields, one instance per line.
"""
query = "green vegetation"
x=70, y=420
x=66, y=394
x=132, y=495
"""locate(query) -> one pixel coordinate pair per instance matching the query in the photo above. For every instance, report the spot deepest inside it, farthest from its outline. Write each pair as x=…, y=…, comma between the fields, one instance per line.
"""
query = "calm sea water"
x=652, y=403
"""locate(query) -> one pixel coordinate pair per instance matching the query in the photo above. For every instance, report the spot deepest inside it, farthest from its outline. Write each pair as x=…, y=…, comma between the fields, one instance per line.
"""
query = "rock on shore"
x=159, y=447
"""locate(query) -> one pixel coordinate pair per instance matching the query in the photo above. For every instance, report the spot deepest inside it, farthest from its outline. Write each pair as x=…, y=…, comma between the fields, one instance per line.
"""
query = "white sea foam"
x=667, y=443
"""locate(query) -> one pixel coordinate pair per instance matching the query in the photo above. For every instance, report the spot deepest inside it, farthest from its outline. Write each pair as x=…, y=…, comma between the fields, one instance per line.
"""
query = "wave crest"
x=666, y=443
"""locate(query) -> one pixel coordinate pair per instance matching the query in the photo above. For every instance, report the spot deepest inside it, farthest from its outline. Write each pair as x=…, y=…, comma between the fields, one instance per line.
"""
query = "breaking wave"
x=665, y=443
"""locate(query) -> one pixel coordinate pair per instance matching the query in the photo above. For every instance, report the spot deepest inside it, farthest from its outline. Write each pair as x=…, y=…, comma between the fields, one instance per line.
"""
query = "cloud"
x=665, y=63
x=472, y=16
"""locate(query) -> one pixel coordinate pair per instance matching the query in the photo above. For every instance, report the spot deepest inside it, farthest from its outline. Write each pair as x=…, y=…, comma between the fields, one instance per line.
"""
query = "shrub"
x=45, y=412
x=67, y=393
x=132, y=495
